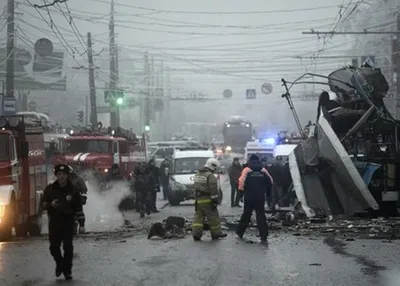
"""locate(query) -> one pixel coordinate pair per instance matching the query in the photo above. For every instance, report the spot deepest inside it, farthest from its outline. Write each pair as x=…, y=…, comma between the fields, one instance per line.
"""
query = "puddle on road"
x=370, y=267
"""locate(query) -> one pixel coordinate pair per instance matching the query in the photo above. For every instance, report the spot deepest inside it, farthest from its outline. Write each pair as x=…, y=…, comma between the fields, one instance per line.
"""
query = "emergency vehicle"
x=185, y=164
x=98, y=149
x=264, y=149
x=22, y=176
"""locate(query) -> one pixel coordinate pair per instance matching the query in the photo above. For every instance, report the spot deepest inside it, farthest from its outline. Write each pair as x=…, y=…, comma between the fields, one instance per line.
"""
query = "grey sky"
x=207, y=51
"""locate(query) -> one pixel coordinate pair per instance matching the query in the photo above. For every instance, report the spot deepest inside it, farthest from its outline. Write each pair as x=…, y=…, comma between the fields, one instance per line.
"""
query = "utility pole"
x=113, y=70
x=146, y=109
x=10, y=49
x=92, y=87
x=87, y=110
x=397, y=63
x=167, y=99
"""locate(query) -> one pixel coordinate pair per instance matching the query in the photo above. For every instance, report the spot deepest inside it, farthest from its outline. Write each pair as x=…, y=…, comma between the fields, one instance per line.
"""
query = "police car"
x=185, y=164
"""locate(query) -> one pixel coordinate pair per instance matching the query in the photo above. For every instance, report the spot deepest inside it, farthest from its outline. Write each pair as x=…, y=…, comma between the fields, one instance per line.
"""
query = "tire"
x=220, y=196
x=173, y=201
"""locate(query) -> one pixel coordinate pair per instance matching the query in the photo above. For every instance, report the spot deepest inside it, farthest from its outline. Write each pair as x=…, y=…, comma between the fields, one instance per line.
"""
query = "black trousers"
x=235, y=196
x=249, y=207
x=165, y=188
x=143, y=203
x=61, y=231
x=153, y=201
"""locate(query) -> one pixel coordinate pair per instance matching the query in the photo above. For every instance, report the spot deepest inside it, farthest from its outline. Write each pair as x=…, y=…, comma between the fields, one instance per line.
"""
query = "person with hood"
x=206, y=188
x=164, y=176
x=153, y=173
x=234, y=172
x=254, y=183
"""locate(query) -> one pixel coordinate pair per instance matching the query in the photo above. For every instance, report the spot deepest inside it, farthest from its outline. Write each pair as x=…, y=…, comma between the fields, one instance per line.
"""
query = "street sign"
x=368, y=59
x=108, y=96
x=250, y=93
x=32, y=105
x=227, y=93
x=266, y=88
x=9, y=105
x=44, y=47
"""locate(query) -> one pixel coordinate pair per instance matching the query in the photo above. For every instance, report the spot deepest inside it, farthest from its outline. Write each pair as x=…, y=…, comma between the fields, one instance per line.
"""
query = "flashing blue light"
x=270, y=141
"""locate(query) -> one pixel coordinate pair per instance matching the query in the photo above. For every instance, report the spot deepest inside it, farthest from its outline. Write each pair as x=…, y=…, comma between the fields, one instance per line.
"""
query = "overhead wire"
x=221, y=12
x=73, y=26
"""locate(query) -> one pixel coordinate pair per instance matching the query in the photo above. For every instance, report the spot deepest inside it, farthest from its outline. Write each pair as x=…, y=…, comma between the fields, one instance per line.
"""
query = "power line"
x=223, y=12
x=51, y=4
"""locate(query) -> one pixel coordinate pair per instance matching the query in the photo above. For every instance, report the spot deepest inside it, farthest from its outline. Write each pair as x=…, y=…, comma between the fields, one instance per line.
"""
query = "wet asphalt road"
x=134, y=260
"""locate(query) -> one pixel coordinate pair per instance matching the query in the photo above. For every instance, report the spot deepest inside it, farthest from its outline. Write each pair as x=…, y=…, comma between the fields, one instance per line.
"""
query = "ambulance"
x=264, y=149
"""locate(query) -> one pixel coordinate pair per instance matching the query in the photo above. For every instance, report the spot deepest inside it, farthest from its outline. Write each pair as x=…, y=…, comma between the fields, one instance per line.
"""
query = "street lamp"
x=147, y=128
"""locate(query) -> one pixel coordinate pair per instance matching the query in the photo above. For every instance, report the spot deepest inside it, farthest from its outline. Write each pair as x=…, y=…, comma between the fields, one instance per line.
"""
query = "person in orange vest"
x=254, y=182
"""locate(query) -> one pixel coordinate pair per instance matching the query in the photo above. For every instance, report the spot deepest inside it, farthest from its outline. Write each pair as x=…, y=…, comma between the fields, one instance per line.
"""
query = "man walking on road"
x=62, y=202
x=234, y=172
x=254, y=182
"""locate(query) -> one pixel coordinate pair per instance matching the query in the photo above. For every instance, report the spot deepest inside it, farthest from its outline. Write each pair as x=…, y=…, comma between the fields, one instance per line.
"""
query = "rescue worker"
x=62, y=202
x=206, y=188
x=254, y=182
x=80, y=185
x=153, y=173
x=143, y=190
x=164, y=176
x=234, y=172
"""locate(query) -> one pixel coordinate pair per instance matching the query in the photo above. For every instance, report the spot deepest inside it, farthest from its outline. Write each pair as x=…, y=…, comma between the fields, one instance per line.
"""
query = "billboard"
x=35, y=72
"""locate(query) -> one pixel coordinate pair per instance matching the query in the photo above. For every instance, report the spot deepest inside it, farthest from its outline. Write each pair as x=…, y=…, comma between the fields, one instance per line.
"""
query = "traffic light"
x=119, y=97
x=79, y=116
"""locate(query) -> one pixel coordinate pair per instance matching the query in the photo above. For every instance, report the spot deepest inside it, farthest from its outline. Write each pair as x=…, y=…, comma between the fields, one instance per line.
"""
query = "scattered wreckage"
x=351, y=162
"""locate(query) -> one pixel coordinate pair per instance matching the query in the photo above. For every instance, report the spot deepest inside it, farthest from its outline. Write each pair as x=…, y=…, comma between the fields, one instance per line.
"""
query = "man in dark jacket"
x=254, y=182
x=277, y=172
x=143, y=190
x=62, y=202
x=154, y=174
x=80, y=185
x=164, y=177
x=234, y=172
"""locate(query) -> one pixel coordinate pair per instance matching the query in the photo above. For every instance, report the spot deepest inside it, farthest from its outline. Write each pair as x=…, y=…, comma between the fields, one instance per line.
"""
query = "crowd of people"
x=250, y=183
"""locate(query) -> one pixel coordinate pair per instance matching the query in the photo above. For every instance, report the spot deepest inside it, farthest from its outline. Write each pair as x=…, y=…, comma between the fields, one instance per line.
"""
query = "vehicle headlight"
x=228, y=148
x=2, y=208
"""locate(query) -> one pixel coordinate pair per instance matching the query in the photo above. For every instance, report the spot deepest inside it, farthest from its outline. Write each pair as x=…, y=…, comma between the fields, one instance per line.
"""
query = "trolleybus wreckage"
x=350, y=163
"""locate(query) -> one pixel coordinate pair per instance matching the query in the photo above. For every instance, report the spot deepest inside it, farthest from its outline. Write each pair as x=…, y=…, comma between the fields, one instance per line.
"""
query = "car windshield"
x=4, y=154
x=188, y=165
x=163, y=153
x=88, y=146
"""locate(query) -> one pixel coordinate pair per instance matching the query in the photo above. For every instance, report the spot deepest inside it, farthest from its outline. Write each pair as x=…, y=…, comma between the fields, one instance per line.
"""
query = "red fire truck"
x=97, y=149
x=22, y=176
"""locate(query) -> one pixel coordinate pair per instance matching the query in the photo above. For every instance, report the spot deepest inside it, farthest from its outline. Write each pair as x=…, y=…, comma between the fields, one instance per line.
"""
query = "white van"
x=261, y=149
x=282, y=152
x=185, y=164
